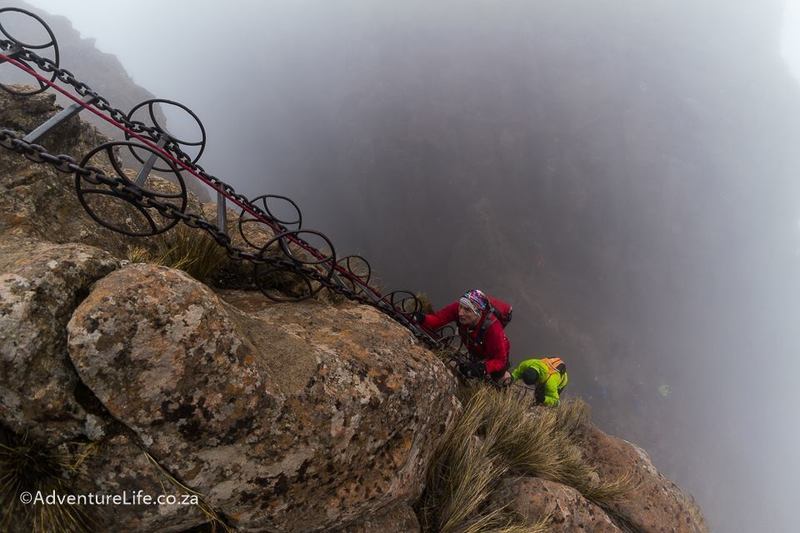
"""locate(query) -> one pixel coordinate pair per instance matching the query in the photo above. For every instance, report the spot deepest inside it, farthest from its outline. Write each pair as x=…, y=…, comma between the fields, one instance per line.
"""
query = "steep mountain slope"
x=121, y=379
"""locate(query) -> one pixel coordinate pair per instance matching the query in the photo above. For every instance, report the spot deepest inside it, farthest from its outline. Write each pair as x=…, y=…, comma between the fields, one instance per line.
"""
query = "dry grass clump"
x=184, y=248
x=425, y=304
x=499, y=434
x=28, y=466
x=214, y=519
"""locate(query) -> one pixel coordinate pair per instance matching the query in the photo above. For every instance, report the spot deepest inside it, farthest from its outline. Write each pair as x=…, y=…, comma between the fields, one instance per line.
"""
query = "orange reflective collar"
x=552, y=364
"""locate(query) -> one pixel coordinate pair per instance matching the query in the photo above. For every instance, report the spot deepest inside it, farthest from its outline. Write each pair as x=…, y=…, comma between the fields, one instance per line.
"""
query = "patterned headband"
x=475, y=301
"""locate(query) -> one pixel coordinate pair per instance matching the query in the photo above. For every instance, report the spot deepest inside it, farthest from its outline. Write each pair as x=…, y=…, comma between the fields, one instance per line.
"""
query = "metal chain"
x=135, y=195
x=49, y=66
x=128, y=191
x=100, y=102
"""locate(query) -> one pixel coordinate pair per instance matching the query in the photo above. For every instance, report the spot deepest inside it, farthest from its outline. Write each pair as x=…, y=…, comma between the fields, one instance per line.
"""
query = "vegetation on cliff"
x=501, y=434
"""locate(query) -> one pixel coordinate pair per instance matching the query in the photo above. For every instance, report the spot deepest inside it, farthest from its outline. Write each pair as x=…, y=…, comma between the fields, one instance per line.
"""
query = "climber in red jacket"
x=481, y=331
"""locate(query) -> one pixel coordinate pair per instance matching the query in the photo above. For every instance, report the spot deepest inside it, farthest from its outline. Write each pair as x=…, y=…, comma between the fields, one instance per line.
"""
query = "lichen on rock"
x=312, y=416
x=264, y=409
x=40, y=285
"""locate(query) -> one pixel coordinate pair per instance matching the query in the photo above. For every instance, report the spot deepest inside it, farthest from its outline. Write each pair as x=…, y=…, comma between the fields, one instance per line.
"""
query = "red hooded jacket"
x=493, y=350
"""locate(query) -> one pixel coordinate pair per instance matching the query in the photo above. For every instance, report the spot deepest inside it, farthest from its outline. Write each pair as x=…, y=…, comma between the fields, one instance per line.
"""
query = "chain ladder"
x=145, y=199
x=129, y=192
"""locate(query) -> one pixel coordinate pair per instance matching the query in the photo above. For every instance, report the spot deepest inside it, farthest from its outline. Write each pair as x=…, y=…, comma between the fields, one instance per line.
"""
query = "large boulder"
x=533, y=498
x=290, y=417
x=398, y=519
x=44, y=403
x=40, y=286
x=118, y=466
x=658, y=504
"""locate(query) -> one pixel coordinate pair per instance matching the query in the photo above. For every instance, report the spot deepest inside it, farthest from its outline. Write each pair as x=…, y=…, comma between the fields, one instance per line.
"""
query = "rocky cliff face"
x=124, y=376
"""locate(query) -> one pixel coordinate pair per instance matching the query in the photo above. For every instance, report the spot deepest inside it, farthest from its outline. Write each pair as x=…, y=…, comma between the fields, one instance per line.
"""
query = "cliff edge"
x=120, y=377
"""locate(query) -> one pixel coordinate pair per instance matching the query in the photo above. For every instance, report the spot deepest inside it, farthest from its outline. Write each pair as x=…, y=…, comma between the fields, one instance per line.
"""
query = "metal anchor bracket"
x=151, y=161
x=57, y=119
x=222, y=217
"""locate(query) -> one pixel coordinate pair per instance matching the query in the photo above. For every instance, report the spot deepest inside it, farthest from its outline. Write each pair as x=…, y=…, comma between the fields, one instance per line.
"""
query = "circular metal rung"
x=403, y=302
x=356, y=275
x=280, y=209
x=119, y=213
x=447, y=331
x=120, y=209
x=24, y=25
x=317, y=254
x=255, y=231
x=281, y=285
x=156, y=123
x=296, y=246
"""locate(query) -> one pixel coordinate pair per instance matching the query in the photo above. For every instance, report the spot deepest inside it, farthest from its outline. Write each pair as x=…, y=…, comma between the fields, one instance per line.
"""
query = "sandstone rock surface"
x=40, y=285
x=659, y=505
x=399, y=518
x=117, y=465
x=534, y=498
x=288, y=417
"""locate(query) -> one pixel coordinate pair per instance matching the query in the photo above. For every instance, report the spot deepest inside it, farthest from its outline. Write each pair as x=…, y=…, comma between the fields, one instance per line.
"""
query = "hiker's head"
x=530, y=376
x=471, y=306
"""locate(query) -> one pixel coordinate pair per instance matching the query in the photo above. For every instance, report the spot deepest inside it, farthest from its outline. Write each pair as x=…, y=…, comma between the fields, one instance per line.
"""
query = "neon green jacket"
x=553, y=383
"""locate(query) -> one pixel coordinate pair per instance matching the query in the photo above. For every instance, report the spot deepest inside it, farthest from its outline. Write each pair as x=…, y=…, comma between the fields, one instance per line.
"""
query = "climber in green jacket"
x=547, y=376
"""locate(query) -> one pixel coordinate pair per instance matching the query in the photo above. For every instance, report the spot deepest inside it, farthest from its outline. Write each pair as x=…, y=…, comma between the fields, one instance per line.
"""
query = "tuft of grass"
x=184, y=248
x=424, y=302
x=501, y=433
x=573, y=417
x=29, y=466
x=137, y=254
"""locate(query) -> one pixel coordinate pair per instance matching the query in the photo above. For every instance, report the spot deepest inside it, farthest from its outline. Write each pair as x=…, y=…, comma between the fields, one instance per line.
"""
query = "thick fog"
x=625, y=173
